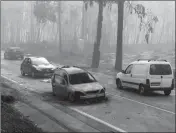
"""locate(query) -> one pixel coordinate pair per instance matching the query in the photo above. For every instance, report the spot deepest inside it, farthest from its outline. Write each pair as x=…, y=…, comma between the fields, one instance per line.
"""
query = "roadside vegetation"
x=89, y=29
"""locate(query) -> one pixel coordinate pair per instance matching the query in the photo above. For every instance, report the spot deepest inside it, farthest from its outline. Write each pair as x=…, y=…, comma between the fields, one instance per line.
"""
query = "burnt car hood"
x=87, y=87
x=50, y=66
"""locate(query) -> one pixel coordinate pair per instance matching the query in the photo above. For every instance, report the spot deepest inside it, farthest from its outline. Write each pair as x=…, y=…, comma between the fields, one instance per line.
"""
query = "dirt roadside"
x=11, y=119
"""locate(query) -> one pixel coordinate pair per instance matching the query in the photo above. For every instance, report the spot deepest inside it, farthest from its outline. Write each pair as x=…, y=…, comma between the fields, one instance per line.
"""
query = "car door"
x=60, y=85
x=24, y=65
x=29, y=66
x=127, y=76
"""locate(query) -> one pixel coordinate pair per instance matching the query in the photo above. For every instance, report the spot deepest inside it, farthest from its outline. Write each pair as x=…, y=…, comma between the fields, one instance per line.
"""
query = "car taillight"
x=147, y=81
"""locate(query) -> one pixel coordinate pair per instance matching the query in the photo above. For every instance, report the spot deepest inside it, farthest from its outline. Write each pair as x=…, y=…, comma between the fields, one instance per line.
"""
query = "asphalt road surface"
x=125, y=108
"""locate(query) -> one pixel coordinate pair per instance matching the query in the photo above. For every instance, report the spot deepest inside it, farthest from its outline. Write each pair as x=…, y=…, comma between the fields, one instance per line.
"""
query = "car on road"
x=14, y=53
x=37, y=67
x=75, y=83
x=147, y=75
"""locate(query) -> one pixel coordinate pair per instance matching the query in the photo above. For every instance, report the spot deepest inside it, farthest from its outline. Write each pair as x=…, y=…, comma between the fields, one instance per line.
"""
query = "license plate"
x=91, y=96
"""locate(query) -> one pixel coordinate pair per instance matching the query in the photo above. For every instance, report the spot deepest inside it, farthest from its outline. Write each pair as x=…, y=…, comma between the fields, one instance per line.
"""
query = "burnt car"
x=75, y=83
x=37, y=67
x=14, y=53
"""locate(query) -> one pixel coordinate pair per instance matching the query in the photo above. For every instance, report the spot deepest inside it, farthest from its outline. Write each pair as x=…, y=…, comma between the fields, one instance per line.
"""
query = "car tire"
x=33, y=75
x=167, y=92
x=119, y=84
x=71, y=97
x=142, y=90
x=22, y=73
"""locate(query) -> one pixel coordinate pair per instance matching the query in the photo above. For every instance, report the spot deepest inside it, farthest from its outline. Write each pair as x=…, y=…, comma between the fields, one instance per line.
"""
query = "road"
x=124, y=108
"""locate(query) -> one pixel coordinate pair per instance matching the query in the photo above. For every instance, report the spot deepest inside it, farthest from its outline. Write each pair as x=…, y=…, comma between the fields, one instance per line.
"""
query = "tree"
x=140, y=10
x=96, y=51
x=119, y=47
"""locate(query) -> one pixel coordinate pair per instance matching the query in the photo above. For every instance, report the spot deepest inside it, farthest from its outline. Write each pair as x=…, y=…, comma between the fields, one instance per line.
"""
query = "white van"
x=147, y=75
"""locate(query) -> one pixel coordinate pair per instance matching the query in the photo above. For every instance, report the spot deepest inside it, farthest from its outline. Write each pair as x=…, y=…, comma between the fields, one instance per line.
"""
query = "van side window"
x=139, y=69
x=128, y=70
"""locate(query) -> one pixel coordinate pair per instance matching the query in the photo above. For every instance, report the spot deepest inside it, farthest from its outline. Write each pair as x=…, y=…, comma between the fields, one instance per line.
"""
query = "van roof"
x=150, y=62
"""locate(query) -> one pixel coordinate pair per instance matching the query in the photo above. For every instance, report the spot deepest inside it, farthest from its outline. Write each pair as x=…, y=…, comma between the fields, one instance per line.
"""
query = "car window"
x=139, y=69
x=128, y=69
x=160, y=69
x=65, y=77
x=81, y=78
x=61, y=73
x=40, y=61
x=59, y=80
x=29, y=61
x=25, y=61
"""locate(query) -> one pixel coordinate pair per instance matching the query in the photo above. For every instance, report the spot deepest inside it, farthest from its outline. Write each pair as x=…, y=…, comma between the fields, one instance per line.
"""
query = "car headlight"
x=102, y=90
x=38, y=69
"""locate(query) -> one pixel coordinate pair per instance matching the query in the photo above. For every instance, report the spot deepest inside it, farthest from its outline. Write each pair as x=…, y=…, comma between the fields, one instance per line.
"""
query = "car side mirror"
x=123, y=71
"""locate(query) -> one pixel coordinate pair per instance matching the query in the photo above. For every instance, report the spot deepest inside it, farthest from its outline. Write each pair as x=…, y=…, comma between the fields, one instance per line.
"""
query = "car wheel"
x=141, y=90
x=33, y=75
x=71, y=97
x=119, y=84
x=22, y=73
x=167, y=92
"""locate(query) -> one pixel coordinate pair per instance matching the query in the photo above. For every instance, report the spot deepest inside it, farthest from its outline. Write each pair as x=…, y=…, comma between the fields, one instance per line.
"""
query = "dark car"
x=13, y=53
x=37, y=67
x=75, y=83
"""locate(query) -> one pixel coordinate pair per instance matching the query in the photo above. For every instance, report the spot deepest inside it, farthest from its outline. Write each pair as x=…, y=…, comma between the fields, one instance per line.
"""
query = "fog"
x=21, y=27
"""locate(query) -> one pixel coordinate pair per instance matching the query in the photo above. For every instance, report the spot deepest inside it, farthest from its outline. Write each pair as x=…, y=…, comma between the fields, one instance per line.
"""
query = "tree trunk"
x=96, y=52
x=119, y=48
x=83, y=14
x=59, y=24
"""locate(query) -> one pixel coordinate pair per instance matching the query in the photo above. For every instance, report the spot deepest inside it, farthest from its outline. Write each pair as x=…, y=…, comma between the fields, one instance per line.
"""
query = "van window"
x=140, y=69
x=160, y=69
x=128, y=69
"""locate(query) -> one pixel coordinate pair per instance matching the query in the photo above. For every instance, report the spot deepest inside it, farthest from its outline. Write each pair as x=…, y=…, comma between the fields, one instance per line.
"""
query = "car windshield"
x=160, y=69
x=40, y=61
x=81, y=78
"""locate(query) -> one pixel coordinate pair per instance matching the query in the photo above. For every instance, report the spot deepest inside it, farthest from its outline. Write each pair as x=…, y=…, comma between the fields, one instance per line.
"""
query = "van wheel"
x=167, y=92
x=141, y=90
x=119, y=84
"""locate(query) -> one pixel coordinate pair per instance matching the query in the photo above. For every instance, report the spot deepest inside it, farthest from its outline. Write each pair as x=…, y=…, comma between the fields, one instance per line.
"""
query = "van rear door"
x=160, y=75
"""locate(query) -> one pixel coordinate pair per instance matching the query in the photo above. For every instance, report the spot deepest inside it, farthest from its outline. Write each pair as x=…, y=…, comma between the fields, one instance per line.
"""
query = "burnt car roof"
x=15, y=48
x=35, y=57
x=73, y=70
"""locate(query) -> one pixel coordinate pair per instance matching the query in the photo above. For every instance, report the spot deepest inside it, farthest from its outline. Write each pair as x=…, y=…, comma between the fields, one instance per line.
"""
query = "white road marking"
x=9, y=79
x=81, y=112
x=142, y=103
x=96, y=119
